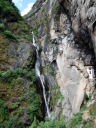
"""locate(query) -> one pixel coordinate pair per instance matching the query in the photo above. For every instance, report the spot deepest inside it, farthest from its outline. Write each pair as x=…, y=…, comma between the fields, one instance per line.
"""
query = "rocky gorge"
x=63, y=54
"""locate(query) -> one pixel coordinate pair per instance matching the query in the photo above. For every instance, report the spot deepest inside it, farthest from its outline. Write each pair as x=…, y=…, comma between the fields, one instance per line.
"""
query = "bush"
x=3, y=111
x=2, y=27
x=11, y=114
x=8, y=10
x=76, y=121
x=11, y=122
x=10, y=35
x=35, y=104
x=9, y=75
x=60, y=123
x=35, y=123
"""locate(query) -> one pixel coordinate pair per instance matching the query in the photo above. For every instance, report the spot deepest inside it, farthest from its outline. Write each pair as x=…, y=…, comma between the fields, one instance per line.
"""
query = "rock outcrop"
x=66, y=32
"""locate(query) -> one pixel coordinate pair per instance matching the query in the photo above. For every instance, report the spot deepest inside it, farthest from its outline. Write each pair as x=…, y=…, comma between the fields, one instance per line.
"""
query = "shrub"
x=76, y=121
x=8, y=75
x=25, y=94
x=10, y=35
x=35, y=103
x=11, y=122
x=35, y=123
x=3, y=111
x=60, y=123
x=2, y=27
x=9, y=10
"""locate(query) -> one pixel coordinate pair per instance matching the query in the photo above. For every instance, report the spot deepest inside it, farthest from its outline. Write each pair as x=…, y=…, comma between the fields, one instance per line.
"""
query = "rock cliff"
x=55, y=77
x=66, y=32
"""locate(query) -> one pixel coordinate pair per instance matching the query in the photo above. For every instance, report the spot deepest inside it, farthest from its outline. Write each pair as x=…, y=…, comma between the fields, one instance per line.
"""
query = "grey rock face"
x=19, y=55
x=67, y=34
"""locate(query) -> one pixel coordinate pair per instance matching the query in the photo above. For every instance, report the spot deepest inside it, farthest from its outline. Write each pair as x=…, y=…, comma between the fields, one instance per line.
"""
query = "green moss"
x=93, y=110
x=49, y=69
x=56, y=95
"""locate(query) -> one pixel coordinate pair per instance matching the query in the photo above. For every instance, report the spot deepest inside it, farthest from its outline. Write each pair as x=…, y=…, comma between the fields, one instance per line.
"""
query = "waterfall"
x=41, y=77
x=44, y=95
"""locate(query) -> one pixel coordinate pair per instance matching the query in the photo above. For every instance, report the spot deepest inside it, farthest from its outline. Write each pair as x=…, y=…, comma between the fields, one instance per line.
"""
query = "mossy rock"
x=93, y=109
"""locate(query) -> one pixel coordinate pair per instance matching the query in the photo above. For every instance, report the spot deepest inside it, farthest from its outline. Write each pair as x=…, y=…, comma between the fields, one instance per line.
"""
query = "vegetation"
x=60, y=123
x=2, y=27
x=8, y=9
x=10, y=35
x=20, y=103
x=17, y=94
x=56, y=96
x=7, y=76
x=12, y=25
x=53, y=124
x=76, y=121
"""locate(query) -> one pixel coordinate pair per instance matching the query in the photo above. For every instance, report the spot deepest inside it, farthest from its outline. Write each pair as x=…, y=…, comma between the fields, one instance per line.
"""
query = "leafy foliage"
x=8, y=9
x=12, y=25
x=34, y=105
x=3, y=111
x=8, y=75
x=25, y=96
x=2, y=27
x=60, y=123
x=10, y=35
x=76, y=121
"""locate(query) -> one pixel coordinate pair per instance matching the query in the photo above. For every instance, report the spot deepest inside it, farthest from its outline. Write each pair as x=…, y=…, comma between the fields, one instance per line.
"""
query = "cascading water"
x=41, y=77
x=44, y=94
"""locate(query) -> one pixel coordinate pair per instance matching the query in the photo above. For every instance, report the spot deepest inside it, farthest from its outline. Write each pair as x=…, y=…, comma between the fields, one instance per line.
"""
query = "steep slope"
x=14, y=35
x=53, y=80
x=66, y=32
x=17, y=76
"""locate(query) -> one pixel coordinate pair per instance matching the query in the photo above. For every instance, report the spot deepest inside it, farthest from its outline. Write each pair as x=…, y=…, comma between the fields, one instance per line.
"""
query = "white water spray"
x=41, y=77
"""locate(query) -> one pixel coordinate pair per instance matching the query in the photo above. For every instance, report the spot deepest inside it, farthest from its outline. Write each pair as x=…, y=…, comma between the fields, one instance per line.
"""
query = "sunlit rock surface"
x=66, y=32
